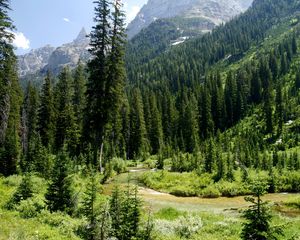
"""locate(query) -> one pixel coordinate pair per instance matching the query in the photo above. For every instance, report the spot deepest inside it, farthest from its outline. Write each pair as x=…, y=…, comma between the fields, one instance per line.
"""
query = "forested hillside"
x=217, y=115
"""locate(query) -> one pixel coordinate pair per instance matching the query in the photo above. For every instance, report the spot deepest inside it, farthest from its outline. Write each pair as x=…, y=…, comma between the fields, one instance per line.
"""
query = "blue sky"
x=54, y=22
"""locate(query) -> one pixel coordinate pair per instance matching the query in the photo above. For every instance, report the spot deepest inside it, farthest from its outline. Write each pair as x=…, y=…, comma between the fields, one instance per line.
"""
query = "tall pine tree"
x=10, y=96
x=46, y=115
x=96, y=112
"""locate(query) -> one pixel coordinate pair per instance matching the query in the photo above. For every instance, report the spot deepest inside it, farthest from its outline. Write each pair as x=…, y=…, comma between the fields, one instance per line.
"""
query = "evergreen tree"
x=59, y=196
x=29, y=116
x=46, y=115
x=279, y=109
x=23, y=192
x=115, y=210
x=231, y=97
x=294, y=45
x=256, y=87
x=125, y=214
x=116, y=76
x=66, y=131
x=210, y=157
x=297, y=80
x=79, y=86
x=221, y=168
x=138, y=143
x=207, y=124
x=90, y=209
x=266, y=76
x=273, y=65
x=37, y=158
x=283, y=64
x=96, y=112
x=156, y=129
x=268, y=111
x=10, y=96
x=258, y=217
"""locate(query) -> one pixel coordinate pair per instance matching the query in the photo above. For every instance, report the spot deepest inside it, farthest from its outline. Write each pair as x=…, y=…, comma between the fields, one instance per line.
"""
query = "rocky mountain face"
x=216, y=11
x=54, y=59
x=35, y=60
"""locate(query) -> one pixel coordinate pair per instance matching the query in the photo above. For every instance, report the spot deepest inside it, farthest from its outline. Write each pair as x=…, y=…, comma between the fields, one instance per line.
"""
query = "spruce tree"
x=59, y=196
x=116, y=76
x=273, y=65
x=210, y=157
x=125, y=214
x=294, y=45
x=96, y=112
x=256, y=87
x=23, y=192
x=297, y=80
x=46, y=113
x=156, y=133
x=66, y=131
x=138, y=143
x=279, y=109
x=79, y=86
x=29, y=116
x=207, y=124
x=10, y=96
x=231, y=97
x=258, y=217
x=89, y=208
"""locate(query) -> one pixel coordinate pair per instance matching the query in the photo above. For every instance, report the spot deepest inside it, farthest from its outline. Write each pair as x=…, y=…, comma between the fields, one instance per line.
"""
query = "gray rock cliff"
x=216, y=11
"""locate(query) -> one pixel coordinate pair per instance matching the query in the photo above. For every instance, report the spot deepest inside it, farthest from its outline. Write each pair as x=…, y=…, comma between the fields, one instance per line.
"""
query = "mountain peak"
x=216, y=11
x=82, y=36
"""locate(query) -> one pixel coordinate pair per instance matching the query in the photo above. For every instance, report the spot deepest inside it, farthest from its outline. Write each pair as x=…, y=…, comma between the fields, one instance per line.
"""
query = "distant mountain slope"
x=162, y=35
x=215, y=11
x=53, y=59
x=230, y=41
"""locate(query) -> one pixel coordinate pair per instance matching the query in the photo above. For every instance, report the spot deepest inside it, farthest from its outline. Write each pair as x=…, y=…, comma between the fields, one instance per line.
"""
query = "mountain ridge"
x=216, y=12
x=55, y=58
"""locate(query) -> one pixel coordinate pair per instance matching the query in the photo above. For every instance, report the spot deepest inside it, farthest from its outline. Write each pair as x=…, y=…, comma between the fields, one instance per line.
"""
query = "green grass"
x=213, y=220
x=219, y=226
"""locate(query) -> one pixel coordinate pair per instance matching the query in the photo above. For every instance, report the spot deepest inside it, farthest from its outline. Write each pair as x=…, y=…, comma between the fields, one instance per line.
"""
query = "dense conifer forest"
x=216, y=116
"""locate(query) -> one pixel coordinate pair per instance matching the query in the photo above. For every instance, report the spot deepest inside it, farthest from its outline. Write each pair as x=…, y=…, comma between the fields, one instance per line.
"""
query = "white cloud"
x=131, y=12
x=21, y=41
x=66, y=20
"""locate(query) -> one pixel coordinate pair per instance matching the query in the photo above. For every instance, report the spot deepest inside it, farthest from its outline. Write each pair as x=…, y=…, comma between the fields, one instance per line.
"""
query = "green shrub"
x=289, y=181
x=231, y=189
x=12, y=181
x=168, y=213
x=64, y=223
x=31, y=207
x=186, y=226
x=150, y=163
x=210, y=192
x=183, y=191
x=118, y=165
x=183, y=226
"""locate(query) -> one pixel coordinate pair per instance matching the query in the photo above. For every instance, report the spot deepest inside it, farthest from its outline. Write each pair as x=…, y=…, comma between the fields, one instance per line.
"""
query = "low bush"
x=182, y=191
x=186, y=226
x=211, y=192
x=31, y=207
x=183, y=227
x=168, y=213
x=66, y=225
x=232, y=189
x=13, y=180
x=118, y=165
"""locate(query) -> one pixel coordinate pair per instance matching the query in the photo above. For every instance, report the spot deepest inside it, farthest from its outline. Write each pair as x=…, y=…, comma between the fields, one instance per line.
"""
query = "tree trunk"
x=100, y=157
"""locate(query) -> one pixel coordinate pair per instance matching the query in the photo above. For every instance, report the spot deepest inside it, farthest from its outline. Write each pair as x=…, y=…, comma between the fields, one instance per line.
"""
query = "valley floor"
x=202, y=218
